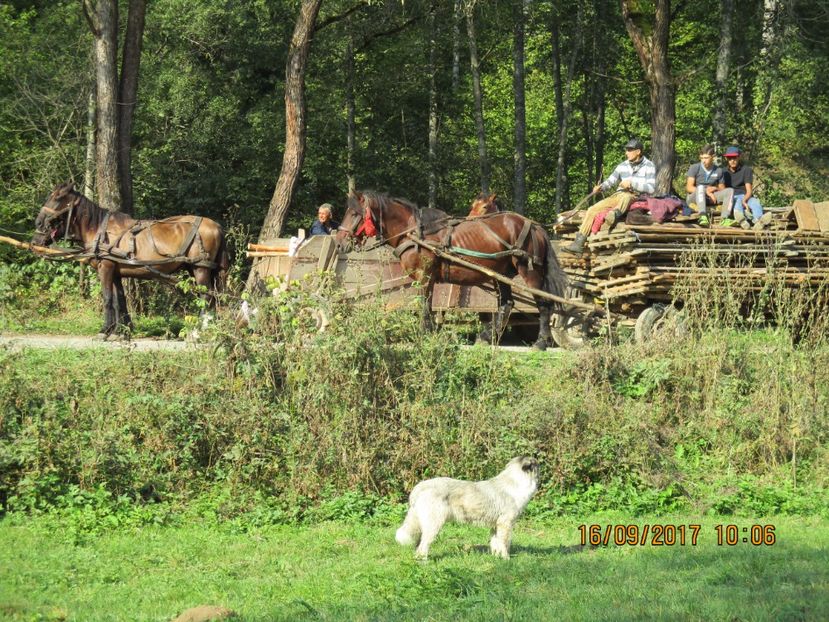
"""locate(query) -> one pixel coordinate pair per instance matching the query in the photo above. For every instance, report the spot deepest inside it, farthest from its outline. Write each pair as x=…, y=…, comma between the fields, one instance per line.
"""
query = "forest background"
x=392, y=98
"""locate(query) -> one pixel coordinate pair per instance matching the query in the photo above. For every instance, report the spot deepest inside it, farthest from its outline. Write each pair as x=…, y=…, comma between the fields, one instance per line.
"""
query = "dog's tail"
x=409, y=532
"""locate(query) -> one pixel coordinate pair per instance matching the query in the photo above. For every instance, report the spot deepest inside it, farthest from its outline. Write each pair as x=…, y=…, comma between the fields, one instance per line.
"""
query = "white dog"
x=496, y=503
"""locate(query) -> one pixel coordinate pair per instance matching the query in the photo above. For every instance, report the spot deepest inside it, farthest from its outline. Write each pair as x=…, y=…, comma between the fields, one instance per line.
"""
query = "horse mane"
x=89, y=213
x=382, y=201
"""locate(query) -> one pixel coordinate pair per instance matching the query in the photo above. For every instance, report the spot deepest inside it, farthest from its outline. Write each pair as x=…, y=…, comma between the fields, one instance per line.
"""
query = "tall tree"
x=483, y=158
x=103, y=21
x=723, y=69
x=127, y=96
x=114, y=101
x=770, y=54
x=648, y=23
x=295, y=122
x=562, y=181
x=351, y=176
x=433, y=106
x=520, y=183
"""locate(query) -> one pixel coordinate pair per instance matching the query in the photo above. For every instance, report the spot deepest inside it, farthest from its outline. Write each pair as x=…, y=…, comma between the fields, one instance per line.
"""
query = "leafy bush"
x=285, y=423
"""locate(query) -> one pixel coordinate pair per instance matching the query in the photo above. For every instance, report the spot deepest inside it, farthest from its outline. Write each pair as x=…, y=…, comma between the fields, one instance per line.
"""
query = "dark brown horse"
x=120, y=246
x=504, y=242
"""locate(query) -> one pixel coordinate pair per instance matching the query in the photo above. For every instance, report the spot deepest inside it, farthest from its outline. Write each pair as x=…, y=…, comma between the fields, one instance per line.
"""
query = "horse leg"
x=106, y=271
x=204, y=278
x=492, y=332
x=545, y=311
x=428, y=325
x=122, y=314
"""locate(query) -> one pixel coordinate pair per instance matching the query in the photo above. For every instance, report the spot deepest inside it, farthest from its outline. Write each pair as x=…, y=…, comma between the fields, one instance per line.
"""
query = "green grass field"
x=339, y=571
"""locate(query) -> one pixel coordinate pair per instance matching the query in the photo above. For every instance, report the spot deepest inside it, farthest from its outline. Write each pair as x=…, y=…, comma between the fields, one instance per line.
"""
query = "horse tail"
x=555, y=279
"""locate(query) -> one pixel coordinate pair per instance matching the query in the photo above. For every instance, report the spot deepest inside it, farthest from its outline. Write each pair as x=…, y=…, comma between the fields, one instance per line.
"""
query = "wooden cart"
x=633, y=269
x=366, y=273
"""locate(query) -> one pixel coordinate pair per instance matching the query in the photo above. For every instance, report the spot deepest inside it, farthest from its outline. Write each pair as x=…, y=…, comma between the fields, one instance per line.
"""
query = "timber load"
x=634, y=265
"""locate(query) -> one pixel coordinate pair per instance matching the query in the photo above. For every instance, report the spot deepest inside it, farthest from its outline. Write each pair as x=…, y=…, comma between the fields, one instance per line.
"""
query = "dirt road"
x=72, y=341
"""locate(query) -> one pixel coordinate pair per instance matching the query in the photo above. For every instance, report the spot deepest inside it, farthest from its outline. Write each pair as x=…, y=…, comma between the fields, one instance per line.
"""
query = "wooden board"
x=804, y=211
x=822, y=213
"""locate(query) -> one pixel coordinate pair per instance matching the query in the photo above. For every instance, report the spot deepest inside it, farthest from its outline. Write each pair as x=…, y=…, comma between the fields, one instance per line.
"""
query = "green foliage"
x=284, y=423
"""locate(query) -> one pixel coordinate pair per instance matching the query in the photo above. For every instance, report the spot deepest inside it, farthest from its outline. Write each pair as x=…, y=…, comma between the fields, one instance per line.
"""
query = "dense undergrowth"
x=282, y=424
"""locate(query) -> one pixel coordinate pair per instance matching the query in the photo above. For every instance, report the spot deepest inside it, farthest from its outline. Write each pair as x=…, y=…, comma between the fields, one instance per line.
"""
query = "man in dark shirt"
x=704, y=185
x=741, y=178
x=325, y=223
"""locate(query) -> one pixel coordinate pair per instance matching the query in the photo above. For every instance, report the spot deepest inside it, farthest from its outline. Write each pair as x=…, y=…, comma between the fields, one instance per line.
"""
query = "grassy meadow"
x=355, y=571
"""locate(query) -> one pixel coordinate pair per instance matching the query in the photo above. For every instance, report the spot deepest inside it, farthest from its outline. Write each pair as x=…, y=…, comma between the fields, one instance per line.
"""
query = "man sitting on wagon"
x=740, y=177
x=325, y=223
x=635, y=176
x=705, y=186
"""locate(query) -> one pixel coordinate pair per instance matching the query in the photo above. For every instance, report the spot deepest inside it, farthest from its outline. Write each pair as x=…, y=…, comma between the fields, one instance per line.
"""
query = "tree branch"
x=377, y=35
x=89, y=14
x=337, y=18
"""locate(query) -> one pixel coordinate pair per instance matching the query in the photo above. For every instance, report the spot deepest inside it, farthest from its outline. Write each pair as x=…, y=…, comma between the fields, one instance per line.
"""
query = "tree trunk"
x=433, y=108
x=350, y=108
x=295, y=111
x=128, y=92
x=767, y=74
x=457, y=16
x=562, y=189
x=652, y=49
x=89, y=174
x=520, y=182
x=723, y=68
x=483, y=159
x=601, y=67
x=103, y=19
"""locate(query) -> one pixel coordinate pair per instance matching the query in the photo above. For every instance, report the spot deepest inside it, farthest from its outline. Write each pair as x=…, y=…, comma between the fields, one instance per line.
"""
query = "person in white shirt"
x=635, y=176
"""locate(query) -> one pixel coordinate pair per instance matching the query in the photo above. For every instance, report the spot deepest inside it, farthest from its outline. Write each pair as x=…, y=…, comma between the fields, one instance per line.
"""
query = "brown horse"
x=120, y=246
x=505, y=243
x=484, y=204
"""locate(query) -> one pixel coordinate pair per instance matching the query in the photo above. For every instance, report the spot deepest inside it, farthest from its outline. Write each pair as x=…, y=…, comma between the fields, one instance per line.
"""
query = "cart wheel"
x=573, y=332
x=656, y=319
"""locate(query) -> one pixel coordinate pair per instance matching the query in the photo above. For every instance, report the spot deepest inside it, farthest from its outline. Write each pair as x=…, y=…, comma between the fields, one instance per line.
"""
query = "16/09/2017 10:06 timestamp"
x=674, y=535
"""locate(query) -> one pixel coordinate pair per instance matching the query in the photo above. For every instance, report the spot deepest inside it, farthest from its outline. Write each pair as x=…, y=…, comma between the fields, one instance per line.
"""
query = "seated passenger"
x=325, y=223
x=705, y=186
x=740, y=178
x=635, y=176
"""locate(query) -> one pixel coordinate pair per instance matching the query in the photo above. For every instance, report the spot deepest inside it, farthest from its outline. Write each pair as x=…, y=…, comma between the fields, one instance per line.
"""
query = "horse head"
x=358, y=223
x=54, y=220
x=484, y=204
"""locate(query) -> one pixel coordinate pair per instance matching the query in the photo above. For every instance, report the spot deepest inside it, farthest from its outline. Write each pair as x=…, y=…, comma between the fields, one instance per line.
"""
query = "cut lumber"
x=804, y=211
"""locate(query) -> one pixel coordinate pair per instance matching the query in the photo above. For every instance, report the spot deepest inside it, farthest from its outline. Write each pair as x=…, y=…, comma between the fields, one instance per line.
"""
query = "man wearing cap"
x=325, y=223
x=635, y=176
x=705, y=186
x=740, y=178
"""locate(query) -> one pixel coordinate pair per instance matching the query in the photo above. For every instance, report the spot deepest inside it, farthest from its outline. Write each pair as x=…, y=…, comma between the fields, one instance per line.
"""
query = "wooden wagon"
x=377, y=271
x=629, y=273
x=633, y=270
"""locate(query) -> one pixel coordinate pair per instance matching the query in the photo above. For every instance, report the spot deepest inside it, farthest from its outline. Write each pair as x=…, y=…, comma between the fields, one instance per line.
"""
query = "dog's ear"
x=529, y=464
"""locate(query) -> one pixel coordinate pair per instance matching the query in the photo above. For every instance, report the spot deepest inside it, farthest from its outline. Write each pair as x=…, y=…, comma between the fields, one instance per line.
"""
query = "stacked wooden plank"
x=638, y=264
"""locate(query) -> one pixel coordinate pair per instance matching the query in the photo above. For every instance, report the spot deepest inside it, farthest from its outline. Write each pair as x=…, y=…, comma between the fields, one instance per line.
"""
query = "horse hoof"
x=540, y=345
x=102, y=336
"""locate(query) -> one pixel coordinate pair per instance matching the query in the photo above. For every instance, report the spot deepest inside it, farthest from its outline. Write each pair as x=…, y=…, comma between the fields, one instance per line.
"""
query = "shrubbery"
x=283, y=423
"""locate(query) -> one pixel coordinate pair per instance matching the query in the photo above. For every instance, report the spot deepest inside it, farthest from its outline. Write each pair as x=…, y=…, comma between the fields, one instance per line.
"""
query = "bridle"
x=54, y=214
